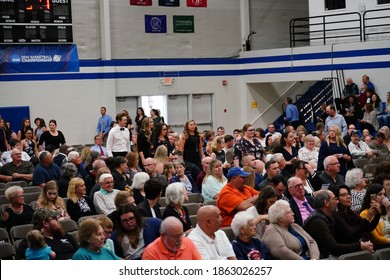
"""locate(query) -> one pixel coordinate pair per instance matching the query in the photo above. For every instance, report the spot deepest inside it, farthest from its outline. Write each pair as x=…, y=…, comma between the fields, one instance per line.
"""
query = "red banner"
x=141, y=2
x=197, y=3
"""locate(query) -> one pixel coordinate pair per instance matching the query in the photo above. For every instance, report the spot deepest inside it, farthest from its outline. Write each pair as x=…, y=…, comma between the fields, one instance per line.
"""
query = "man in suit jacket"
x=150, y=207
x=301, y=204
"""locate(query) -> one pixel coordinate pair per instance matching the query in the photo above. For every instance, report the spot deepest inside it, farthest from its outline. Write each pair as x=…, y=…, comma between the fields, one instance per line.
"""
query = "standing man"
x=366, y=81
x=118, y=141
x=335, y=119
x=103, y=126
x=292, y=113
x=220, y=131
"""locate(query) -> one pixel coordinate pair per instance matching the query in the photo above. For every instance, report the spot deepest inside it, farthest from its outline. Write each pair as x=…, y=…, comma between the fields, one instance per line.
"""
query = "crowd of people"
x=292, y=194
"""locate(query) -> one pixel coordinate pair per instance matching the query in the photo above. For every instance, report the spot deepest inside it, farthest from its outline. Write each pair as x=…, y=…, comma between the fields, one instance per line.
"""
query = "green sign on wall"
x=183, y=24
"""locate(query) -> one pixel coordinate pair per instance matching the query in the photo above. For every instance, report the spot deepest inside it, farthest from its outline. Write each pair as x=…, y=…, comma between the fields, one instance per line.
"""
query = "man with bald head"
x=150, y=168
x=90, y=180
x=172, y=244
x=17, y=170
x=211, y=242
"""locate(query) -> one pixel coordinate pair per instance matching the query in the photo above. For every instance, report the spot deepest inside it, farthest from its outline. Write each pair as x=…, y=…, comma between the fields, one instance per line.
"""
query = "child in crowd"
x=37, y=247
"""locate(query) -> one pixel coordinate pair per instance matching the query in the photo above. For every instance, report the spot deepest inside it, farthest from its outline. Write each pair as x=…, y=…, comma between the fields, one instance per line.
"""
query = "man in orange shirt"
x=235, y=196
x=172, y=244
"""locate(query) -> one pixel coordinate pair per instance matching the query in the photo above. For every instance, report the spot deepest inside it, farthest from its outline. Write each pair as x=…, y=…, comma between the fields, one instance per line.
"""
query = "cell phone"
x=325, y=186
x=373, y=196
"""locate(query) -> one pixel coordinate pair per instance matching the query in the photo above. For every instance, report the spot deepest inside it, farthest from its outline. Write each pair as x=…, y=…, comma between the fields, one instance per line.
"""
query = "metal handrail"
x=367, y=26
x=300, y=23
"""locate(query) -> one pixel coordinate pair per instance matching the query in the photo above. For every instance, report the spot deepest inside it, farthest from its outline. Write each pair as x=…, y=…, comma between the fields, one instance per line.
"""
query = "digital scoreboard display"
x=35, y=21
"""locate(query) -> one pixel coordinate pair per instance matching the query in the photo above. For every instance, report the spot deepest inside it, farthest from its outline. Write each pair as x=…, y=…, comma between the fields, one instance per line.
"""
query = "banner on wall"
x=38, y=58
x=155, y=24
x=169, y=3
x=197, y=3
x=141, y=2
x=183, y=24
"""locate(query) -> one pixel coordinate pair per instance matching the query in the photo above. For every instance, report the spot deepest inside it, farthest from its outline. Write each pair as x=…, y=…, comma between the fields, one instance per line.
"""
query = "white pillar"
x=105, y=33
x=245, y=21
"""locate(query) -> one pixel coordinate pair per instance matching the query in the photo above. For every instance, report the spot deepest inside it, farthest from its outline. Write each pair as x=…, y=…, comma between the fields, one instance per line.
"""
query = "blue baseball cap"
x=237, y=171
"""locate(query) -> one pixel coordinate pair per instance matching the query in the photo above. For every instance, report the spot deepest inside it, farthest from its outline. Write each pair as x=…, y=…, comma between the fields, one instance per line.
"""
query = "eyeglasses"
x=334, y=163
x=129, y=220
x=298, y=186
x=17, y=154
x=19, y=196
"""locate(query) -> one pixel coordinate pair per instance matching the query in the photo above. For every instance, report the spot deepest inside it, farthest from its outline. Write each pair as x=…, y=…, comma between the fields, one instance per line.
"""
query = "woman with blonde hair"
x=213, y=181
x=79, y=205
x=334, y=145
x=49, y=199
x=161, y=157
x=169, y=171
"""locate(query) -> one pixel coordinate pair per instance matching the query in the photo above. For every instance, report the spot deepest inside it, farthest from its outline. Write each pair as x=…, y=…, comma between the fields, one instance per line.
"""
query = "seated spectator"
x=330, y=176
x=266, y=198
x=176, y=195
x=91, y=158
x=347, y=137
x=46, y=170
x=384, y=118
x=74, y=157
x=108, y=227
x=138, y=186
x=310, y=179
x=62, y=156
x=289, y=152
x=349, y=226
x=235, y=196
x=63, y=244
x=90, y=180
x=171, y=245
x=97, y=186
x=352, y=111
x=169, y=172
x=78, y=205
x=180, y=176
x=98, y=147
x=191, y=168
x=300, y=203
x=285, y=239
x=17, y=170
x=150, y=168
x=376, y=202
x=132, y=164
x=68, y=172
x=309, y=152
x=121, y=181
x=37, y=247
x=150, y=207
x=104, y=198
x=133, y=233
x=272, y=169
x=358, y=148
x=121, y=198
x=49, y=199
x=320, y=226
x=369, y=120
x=15, y=144
x=211, y=242
x=17, y=212
x=91, y=242
x=378, y=145
x=199, y=180
x=213, y=181
x=279, y=183
x=357, y=183
x=245, y=245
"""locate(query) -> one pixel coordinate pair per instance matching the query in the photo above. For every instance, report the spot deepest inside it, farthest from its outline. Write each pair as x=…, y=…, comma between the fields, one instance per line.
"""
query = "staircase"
x=309, y=104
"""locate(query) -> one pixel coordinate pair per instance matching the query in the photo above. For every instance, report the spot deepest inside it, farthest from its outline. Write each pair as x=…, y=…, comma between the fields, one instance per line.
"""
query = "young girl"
x=37, y=247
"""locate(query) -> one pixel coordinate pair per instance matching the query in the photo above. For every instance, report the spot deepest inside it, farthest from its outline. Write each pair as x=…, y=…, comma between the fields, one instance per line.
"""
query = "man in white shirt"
x=211, y=242
x=359, y=149
x=118, y=141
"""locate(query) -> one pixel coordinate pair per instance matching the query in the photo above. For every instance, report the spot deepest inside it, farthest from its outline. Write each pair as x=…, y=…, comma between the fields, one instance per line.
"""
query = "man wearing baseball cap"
x=45, y=220
x=235, y=196
x=358, y=148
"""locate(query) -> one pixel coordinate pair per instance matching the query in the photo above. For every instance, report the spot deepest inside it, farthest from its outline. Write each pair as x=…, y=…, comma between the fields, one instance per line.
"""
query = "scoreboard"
x=35, y=21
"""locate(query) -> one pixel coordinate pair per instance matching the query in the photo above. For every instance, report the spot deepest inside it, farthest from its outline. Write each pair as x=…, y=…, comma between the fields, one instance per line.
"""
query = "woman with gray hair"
x=138, y=186
x=17, y=212
x=68, y=172
x=176, y=195
x=245, y=245
x=355, y=180
x=285, y=239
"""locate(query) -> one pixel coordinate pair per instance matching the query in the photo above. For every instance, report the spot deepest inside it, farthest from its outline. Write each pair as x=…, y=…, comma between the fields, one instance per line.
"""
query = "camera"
x=373, y=196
